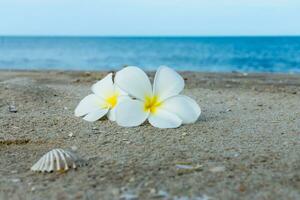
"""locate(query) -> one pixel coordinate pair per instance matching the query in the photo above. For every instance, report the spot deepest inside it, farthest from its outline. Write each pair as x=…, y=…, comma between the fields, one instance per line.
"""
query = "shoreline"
x=244, y=146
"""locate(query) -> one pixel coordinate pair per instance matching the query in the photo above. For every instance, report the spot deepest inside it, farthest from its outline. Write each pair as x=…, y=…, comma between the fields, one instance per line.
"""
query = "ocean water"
x=216, y=54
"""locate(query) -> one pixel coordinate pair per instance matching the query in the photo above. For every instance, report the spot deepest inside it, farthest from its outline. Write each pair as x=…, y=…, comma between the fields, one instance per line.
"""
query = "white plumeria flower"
x=162, y=105
x=106, y=95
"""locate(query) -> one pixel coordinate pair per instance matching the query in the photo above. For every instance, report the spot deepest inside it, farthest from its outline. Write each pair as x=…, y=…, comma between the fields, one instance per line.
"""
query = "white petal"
x=119, y=91
x=112, y=112
x=88, y=104
x=184, y=107
x=130, y=113
x=111, y=115
x=134, y=81
x=95, y=115
x=105, y=87
x=164, y=119
x=167, y=83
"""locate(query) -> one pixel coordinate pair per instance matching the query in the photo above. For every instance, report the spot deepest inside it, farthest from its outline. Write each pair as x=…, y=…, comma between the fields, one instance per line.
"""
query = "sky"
x=150, y=17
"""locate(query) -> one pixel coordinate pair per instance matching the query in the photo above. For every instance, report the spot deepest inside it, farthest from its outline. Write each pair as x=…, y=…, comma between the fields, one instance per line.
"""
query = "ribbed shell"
x=56, y=160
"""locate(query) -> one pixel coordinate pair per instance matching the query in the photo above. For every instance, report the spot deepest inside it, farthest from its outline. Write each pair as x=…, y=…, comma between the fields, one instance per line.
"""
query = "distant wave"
x=246, y=54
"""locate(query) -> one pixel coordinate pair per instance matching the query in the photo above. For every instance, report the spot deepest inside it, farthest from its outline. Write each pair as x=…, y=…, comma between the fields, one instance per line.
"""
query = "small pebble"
x=236, y=155
x=15, y=180
x=225, y=111
x=231, y=154
x=159, y=194
x=152, y=191
x=184, y=134
x=74, y=148
x=185, y=168
x=217, y=169
x=132, y=179
x=162, y=194
x=12, y=109
x=242, y=188
x=71, y=135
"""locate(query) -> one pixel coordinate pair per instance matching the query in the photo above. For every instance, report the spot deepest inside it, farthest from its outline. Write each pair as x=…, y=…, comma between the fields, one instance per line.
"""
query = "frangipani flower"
x=106, y=95
x=161, y=105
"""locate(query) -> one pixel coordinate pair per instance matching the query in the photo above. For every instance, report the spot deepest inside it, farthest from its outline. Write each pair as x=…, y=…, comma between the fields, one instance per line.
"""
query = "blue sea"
x=213, y=54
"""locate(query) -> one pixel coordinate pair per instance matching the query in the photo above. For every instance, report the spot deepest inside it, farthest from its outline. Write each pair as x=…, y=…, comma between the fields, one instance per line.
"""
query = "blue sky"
x=149, y=17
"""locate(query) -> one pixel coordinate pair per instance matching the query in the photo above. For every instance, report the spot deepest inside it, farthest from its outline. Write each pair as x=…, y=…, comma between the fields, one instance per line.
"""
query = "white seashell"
x=56, y=160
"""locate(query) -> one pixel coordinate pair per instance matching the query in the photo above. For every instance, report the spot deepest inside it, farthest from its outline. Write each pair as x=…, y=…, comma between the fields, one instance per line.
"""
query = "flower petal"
x=88, y=104
x=119, y=91
x=112, y=112
x=184, y=107
x=130, y=113
x=95, y=115
x=111, y=115
x=134, y=81
x=164, y=119
x=105, y=87
x=167, y=83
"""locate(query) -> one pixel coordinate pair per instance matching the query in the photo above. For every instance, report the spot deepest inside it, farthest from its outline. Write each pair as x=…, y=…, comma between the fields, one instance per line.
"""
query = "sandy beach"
x=246, y=144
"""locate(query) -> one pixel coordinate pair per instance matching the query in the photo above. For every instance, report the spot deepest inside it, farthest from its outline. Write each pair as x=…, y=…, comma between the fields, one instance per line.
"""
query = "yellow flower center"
x=111, y=101
x=151, y=104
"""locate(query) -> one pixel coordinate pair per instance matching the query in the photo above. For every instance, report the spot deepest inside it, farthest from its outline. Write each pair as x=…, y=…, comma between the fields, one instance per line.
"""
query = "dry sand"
x=246, y=144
